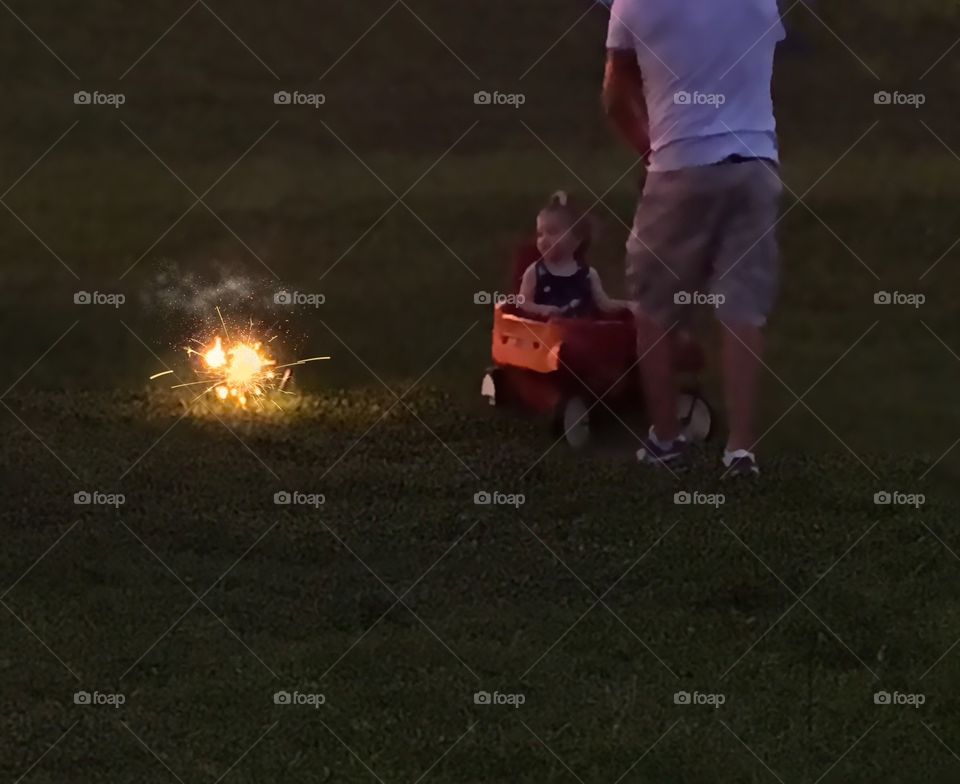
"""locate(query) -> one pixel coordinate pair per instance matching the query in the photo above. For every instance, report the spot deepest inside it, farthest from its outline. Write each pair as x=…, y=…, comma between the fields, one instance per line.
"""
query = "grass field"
x=398, y=598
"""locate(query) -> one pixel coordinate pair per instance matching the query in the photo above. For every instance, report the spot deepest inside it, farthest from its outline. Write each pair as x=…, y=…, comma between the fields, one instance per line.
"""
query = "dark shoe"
x=671, y=455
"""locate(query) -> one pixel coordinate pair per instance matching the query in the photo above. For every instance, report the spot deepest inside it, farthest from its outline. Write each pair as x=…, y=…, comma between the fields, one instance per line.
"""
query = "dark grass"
x=200, y=495
x=686, y=593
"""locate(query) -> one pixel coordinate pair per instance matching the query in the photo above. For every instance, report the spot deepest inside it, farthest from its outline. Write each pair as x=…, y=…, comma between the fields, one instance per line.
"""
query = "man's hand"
x=623, y=99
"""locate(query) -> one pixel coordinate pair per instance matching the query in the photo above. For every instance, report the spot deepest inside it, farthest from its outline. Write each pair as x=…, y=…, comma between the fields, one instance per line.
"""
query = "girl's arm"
x=603, y=302
x=528, y=293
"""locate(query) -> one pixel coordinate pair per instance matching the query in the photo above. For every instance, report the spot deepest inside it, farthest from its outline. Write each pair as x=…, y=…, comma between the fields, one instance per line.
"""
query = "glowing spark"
x=237, y=371
x=215, y=358
x=222, y=323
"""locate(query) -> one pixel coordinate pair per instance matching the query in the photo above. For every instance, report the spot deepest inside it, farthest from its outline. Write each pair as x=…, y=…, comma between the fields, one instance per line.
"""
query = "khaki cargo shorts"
x=705, y=236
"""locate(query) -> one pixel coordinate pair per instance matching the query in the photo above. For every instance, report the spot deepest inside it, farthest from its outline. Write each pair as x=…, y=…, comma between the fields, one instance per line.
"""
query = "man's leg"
x=667, y=261
x=742, y=352
x=655, y=347
x=746, y=277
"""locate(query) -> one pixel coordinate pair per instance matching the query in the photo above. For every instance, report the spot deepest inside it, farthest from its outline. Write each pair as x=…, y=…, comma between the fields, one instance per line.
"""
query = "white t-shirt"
x=707, y=69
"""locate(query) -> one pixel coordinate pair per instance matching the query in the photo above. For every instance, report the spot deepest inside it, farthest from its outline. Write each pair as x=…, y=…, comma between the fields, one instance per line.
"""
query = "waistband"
x=736, y=158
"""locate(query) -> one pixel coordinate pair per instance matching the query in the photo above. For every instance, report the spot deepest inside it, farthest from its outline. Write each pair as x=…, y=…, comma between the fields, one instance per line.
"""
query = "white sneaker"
x=740, y=462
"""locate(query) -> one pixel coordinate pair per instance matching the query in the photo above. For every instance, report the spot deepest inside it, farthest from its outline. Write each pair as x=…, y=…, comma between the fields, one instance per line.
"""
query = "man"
x=688, y=85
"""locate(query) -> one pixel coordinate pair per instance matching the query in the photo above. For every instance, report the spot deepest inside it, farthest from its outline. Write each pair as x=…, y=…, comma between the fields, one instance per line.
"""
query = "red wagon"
x=577, y=370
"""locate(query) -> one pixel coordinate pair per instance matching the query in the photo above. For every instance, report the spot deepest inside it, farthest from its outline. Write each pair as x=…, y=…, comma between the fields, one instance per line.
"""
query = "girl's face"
x=555, y=238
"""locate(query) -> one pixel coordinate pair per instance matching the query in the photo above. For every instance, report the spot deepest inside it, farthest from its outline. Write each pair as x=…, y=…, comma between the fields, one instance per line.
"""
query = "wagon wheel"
x=696, y=417
x=572, y=421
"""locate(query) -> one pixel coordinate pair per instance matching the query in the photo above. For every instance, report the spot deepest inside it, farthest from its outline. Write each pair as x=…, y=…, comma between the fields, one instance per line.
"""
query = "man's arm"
x=623, y=99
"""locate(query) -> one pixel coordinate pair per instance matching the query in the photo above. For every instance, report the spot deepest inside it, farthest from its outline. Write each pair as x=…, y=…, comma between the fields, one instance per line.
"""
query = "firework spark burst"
x=237, y=369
